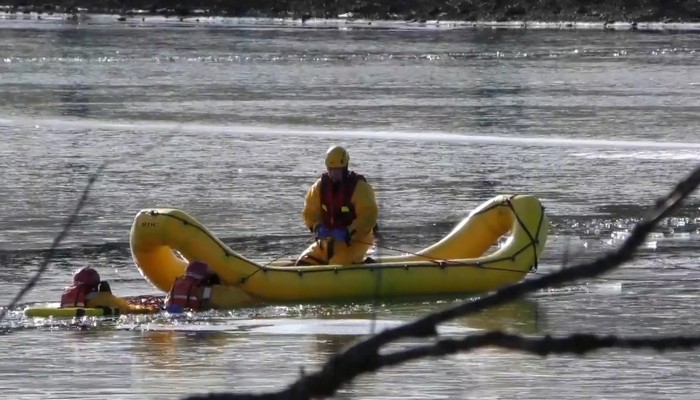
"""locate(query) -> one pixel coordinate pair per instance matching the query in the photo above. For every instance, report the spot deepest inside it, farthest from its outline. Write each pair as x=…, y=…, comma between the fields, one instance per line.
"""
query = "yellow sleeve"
x=312, y=206
x=106, y=299
x=366, y=210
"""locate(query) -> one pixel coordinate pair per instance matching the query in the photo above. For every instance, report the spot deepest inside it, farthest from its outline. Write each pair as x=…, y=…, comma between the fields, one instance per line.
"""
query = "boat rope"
x=427, y=258
x=533, y=243
x=185, y=222
x=445, y=263
x=533, y=239
x=262, y=268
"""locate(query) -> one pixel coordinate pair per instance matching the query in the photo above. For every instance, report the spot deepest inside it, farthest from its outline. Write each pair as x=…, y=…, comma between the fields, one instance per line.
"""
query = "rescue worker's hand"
x=321, y=232
x=341, y=235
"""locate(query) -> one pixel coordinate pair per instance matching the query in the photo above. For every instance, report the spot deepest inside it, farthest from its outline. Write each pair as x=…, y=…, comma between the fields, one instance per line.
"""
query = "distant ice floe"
x=680, y=154
x=617, y=237
x=281, y=131
x=284, y=326
x=654, y=238
x=603, y=288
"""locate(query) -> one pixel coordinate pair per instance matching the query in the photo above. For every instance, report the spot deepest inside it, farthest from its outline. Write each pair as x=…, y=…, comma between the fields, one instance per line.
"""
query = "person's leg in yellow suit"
x=334, y=252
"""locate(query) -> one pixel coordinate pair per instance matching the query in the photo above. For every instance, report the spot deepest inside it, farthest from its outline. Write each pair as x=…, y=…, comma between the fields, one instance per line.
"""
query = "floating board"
x=77, y=312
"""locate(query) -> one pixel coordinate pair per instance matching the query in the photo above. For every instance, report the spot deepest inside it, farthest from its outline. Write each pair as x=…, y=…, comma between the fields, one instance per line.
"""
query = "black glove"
x=104, y=287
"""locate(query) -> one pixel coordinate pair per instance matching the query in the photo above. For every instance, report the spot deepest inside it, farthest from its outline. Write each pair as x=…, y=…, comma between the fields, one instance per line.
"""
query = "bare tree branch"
x=365, y=356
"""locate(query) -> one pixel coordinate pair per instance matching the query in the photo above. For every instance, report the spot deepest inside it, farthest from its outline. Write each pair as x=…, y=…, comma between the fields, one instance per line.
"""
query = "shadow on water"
x=332, y=344
x=500, y=97
x=74, y=100
x=523, y=316
x=331, y=327
x=73, y=95
x=500, y=104
x=165, y=348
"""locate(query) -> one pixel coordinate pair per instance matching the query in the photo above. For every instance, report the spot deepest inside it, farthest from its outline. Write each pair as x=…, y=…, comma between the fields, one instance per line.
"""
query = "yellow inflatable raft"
x=162, y=240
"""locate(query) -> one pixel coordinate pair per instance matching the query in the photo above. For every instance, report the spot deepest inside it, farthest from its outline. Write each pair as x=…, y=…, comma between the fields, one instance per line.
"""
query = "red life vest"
x=77, y=295
x=337, y=210
x=189, y=292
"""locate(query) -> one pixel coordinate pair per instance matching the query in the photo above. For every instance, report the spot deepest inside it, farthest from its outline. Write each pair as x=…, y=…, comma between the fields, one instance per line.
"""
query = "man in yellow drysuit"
x=341, y=210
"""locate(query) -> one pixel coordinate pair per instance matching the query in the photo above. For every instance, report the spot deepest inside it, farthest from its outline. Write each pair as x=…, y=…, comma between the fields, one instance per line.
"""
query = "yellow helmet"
x=337, y=157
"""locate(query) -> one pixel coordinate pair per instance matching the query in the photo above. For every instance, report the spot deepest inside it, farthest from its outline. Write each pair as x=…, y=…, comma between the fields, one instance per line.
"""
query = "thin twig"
x=70, y=222
x=56, y=241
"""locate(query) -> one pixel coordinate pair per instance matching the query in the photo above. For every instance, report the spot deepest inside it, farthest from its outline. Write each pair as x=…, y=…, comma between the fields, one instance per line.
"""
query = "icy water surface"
x=230, y=123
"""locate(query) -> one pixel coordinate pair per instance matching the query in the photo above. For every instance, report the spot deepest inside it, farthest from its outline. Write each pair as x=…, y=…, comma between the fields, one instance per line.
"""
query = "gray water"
x=230, y=123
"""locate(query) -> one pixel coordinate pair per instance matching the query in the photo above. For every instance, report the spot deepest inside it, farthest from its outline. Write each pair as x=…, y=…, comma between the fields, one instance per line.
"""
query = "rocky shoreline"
x=572, y=11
